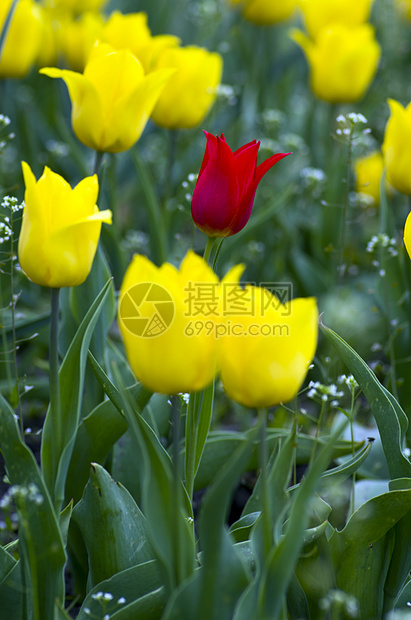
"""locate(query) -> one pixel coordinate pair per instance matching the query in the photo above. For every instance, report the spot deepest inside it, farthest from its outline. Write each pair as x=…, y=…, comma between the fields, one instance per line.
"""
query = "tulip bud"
x=224, y=194
x=269, y=345
x=368, y=172
x=396, y=147
x=191, y=92
x=112, y=100
x=60, y=229
x=343, y=61
x=266, y=12
x=23, y=38
x=319, y=14
x=158, y=324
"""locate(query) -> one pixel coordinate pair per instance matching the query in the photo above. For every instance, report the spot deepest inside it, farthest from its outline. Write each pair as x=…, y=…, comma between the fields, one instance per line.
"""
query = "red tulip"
x=224, y=194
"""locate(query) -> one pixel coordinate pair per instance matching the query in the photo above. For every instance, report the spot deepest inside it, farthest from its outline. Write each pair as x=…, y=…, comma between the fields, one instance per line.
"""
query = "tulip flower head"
x=78, y=37
x=407, y=235
x=396, y=147
x=320, y=14
x=191, y=92
x=265, y=356
x=155, y=319
x=224, y=194
x=131, y=32
x=368, y=171
x=60, y=229
x=112, y=100
x=343, y=61
x=23, y=38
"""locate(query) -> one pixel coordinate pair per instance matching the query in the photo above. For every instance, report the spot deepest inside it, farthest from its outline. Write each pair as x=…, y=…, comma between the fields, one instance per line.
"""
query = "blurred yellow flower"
x=156, y=319
x=75, y=6
x=266, y=12
x=368, y=172
x=112, y=100
x=343, y=61
x=22, y=42
x=79, y=37
x=51, y=27
x=396, y=147
x=131, y=32
x=407, y=235
x=268, y=346
x=191, y=92
x=60, y=229
x=321, y=13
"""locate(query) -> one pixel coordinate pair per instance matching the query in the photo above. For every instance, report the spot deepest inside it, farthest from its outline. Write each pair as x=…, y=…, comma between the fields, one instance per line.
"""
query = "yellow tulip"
x=112, y=100
x=342, y=60
x=51, y=27
x=407, y=235
x=60, y=229
x=79, y=37
x=396, y=147
x=266, y=12
x=368, y=172
x=131, y=32
x=268, y=346
x=187, y=98
x=23, y=38
x=319, y=14
x=156, y=322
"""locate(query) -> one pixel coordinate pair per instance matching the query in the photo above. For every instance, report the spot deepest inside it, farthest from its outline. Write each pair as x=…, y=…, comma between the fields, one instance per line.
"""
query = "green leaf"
x=362, y=551
x=224, y=575
x=42, y=548
x=165, y=503
x=97, y=433
x=112, y=525
x=142, y=588
x=390, y=418
x=71, y=377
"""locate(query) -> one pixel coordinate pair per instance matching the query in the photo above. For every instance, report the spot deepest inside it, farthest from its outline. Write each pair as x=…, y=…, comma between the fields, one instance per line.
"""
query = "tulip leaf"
x=96, y=435
x=165, y=503
x=40, y=542
x=267, y=592
x=71, y=377
x=224, y=575
x=112, y=526
x=363, y=550
x=141, y=588
x=390, y=418
x=12, y=593
x=220, y=446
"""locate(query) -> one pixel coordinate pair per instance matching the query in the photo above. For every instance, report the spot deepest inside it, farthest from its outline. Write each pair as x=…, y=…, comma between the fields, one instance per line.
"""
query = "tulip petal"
x=131, y=112
x=215, y=197
x=87, y=110
x=245, y=166
x=265, y=166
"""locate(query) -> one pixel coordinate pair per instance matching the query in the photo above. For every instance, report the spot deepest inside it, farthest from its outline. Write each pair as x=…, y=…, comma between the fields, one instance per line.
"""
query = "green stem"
x=55, y=404
x=317, y=431
x=158, y=231
x=175, y=420
x=341, y=268
x=191, y=442
x=216, y=255
x=208, y=248
x=265, y=501
x=98, y=161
